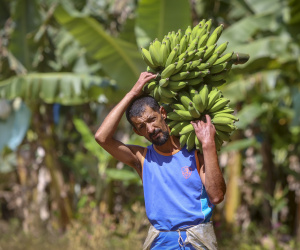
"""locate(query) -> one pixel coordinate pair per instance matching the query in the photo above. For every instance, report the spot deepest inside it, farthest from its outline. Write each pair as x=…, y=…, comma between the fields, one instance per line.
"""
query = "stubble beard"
x=161, y=140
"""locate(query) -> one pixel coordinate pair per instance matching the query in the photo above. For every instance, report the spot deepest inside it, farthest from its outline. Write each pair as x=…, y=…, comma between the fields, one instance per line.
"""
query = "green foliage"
x=155, y=18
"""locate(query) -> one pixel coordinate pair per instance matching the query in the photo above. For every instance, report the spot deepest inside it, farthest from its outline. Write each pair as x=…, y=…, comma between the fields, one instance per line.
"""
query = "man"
x=180, y=187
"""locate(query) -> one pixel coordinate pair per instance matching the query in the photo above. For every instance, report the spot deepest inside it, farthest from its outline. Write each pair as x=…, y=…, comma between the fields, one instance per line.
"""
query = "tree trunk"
x=43, y=126
x=232, y=201
x=269, y=180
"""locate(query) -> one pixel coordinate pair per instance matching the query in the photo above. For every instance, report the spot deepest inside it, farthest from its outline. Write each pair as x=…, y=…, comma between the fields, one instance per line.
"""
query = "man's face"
x=152, y=126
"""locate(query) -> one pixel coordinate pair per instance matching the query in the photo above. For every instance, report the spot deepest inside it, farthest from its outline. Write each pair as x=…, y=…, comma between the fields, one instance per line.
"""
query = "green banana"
x=195, y=81
x=190, y=143
x=166, y=100
x=183, y=139
x=222, y=47
x=204, y=96
x=225, y=110
x=175, y=85
x=183, y=44
x=179, y=66
x=184, y=114
x=168, y=71
x=224, y=58
x=212, y=97
x=213, y=58
x=217, y=68
x=197, y=100
x=210, y=50
x=163, y=82
x=174, y=116
x=157, y=46
x=164, y=52
x=198, y=144
x=179, y=76
x=203, y=66
x=172, y=124
x=227, y=115
x=215, y=35
x=209, y=24
x=225, y=128
x=178, y=127
x=186, y=129
x=149, y=87
x=222, y=120
x=191, y=55
x=172, y=56
x=184, y=98
x=166, y=92
x=193, y=111
x=224, y=136
x=193, y=44
x=219, y=76
x=203, y=40
x=194, y=74
x=147, y=58
x=154, y=55
x=156, y=94
x=178, y=106
x=198, y=55
x=220, y=103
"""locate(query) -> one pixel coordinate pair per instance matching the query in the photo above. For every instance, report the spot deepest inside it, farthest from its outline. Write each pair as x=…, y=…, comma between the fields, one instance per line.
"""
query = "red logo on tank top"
x=186, y=172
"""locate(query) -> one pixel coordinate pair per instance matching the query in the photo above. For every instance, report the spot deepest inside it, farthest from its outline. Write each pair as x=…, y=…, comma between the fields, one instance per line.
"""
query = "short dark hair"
x=137, y=107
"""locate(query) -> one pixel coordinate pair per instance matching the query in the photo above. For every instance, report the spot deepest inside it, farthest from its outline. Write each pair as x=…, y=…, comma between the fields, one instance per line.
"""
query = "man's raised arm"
x=104, y=135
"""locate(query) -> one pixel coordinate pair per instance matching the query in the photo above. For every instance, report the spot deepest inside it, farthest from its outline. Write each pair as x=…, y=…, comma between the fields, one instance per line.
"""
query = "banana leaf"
x=120, y=60
x=64, y=88
x=155, y=18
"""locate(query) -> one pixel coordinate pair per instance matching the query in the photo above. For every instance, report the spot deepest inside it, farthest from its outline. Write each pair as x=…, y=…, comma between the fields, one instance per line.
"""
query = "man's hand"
x=205, y=131
x=137, y=89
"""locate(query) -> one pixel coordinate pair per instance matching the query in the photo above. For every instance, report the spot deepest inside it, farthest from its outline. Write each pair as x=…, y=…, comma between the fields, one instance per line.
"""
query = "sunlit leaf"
x=239, y=145
x=155, y=18
x=248, y=114
x=120, y=60
x=64, y=88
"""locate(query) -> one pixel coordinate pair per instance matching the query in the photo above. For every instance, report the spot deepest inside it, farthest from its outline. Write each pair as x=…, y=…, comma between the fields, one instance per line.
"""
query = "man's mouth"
x=155, y=135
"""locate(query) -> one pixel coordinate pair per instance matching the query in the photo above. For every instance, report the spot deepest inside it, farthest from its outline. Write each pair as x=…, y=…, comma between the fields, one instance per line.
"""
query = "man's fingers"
x=208, y=119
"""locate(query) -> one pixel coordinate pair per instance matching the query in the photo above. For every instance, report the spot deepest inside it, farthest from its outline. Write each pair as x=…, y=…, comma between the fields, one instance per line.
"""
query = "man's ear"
x=163, y=112
x=135, y=131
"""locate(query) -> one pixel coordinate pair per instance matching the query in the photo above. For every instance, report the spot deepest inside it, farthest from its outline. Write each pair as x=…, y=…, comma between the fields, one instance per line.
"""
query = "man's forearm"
x=214, y=182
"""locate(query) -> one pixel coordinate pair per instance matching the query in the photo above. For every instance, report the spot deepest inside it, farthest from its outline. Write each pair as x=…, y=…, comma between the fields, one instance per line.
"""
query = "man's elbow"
x=217, y=200
x=99, y=139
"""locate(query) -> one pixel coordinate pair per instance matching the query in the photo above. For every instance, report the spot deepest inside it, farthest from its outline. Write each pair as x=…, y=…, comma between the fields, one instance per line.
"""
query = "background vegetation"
x=64, y=66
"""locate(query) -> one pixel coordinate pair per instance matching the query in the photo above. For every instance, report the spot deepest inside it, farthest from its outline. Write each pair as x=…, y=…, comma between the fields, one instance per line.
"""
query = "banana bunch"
x=188, y=58
x=194, y=105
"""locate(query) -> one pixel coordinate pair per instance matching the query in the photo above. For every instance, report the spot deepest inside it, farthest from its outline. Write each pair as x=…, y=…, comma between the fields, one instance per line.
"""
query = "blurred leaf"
x=64, y=88
x=156, y=18
x=122, y=175
x=27, y=19
x=248, y=114
x=14, y=128
x=8, y=163
x=90, y=143
x=296, y=107
x=239, y=145
x=243, y=30
x=119, y=59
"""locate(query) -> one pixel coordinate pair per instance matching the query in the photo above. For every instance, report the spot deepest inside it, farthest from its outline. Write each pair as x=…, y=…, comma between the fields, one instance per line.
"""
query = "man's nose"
x=150, y=128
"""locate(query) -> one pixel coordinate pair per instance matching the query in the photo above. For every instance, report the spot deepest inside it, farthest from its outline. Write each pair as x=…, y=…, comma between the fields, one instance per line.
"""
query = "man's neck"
x=170, y=146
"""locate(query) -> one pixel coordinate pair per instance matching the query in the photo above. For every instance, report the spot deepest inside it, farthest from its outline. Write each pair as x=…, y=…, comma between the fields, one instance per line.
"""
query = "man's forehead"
x=148, y=112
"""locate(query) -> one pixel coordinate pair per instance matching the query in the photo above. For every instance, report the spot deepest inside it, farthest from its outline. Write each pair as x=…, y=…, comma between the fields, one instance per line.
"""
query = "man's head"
x=148, y=119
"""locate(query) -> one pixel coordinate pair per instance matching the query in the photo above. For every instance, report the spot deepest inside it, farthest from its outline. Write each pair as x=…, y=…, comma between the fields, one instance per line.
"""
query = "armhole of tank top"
x=197, y=162
x=143, y=159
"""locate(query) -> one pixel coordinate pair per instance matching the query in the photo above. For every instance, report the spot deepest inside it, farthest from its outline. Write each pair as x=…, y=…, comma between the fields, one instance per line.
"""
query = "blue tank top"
x=175, y=196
